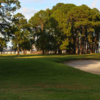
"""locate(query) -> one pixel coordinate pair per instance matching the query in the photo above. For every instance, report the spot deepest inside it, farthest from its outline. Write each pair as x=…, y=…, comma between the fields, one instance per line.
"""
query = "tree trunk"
x=94, y=48
x=18, y=50
x=24, y=52
x=59, y=51
x=86, y=47
x=69, y=47
x=66, y=51
x=43, y=51
x=1, y=51
x=76, y=49
x=55, y=51
x=86, y=39
x=80, y=48
x=30, y=51
x=90, y=48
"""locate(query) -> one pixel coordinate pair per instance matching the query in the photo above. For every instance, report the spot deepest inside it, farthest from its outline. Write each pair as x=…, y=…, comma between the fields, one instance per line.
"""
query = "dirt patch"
x=92, y=66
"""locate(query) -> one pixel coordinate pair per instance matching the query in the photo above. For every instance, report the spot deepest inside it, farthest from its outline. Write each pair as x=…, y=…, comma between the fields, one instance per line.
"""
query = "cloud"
x=47, y=8
x=28, y=12
x=34, y=0
x=79, y=4
x=25, y=1
x=99, y=8
x=93, y=5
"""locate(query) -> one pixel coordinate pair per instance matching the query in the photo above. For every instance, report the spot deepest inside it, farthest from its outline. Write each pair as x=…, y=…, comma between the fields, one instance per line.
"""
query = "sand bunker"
x=92, y=66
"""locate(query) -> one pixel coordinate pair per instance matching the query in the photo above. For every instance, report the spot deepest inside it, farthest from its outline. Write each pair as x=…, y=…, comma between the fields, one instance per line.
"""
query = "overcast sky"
x=29, y=7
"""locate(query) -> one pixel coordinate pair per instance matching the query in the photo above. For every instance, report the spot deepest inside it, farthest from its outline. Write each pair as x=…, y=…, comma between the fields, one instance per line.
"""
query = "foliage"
x=64, y=27
x=21, y=32
x=73, y=28
x=7, y=7
x=2, y=44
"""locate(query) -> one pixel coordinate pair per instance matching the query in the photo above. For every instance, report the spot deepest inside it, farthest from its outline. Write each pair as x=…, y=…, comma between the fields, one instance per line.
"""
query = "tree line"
x=68, y=27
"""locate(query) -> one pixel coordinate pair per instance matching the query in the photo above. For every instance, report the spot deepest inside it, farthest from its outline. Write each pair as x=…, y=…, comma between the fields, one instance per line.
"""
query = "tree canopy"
x=74, y=28
x=68, y=27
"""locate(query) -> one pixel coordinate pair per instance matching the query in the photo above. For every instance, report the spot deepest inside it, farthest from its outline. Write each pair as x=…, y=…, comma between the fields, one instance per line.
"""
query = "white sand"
x=92, y=66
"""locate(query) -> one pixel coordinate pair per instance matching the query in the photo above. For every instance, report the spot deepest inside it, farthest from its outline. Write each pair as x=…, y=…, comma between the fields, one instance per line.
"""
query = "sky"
x=30, y=7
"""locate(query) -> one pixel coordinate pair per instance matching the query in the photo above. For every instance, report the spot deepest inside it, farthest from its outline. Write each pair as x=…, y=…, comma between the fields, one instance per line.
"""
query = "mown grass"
x=38, y=77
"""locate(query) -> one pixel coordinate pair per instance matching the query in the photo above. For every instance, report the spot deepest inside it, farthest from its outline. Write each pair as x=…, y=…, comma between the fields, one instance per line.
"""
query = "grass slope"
x=37, y=77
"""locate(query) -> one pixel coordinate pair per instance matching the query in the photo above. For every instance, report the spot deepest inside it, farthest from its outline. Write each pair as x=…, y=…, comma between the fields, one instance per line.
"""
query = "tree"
x=62, y=28
x=83, y=20
x=7, y=7
x=57, y=6
x=38, y=23
x=2, y=44
x=71, y=28
x=21, y=33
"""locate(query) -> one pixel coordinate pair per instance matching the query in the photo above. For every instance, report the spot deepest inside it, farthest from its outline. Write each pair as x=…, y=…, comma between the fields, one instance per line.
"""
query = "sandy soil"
x=92, y=66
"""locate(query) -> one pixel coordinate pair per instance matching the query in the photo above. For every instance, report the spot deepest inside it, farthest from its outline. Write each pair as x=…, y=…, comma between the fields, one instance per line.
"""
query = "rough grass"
x=37, y=77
